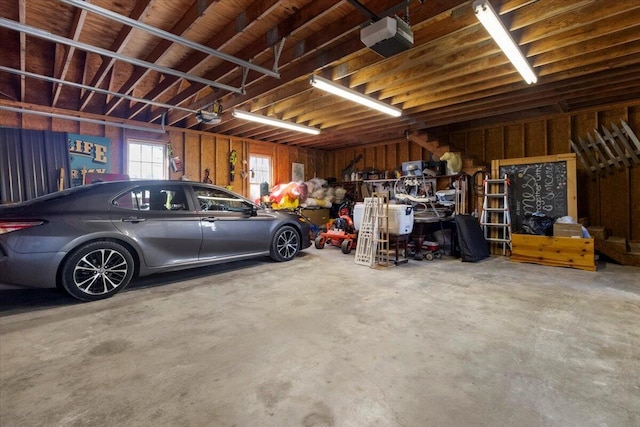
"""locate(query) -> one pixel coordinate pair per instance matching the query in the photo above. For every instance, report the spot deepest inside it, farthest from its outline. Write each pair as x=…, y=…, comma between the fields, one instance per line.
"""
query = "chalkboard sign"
x=545, y=184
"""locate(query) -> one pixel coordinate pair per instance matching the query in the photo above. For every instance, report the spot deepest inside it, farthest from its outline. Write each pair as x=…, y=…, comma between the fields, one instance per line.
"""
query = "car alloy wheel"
x=97, y=270
x=285, y=244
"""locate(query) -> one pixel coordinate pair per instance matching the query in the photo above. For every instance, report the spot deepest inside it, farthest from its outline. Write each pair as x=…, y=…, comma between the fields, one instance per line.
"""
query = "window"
x=170, y=198
x=218, y=200
x=146, y=161
x=260, y=172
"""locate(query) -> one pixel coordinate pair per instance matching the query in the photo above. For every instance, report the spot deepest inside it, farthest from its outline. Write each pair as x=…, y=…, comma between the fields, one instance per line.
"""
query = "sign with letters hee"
x=88, y=154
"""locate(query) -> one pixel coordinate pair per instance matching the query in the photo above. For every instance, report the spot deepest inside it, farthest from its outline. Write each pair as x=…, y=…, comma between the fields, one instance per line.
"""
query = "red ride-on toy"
x=429, y=251
x=340, y=233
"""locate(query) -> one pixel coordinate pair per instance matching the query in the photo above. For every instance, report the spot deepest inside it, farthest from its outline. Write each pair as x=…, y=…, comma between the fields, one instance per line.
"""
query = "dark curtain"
x=30, y=163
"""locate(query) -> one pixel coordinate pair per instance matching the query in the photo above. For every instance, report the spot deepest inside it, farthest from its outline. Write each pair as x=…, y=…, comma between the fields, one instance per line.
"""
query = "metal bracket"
x=277, y=51
x=245, y=72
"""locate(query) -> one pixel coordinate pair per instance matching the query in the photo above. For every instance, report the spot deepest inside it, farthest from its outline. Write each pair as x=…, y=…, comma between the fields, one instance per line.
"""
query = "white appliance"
x=400, y=218
x=388, y=36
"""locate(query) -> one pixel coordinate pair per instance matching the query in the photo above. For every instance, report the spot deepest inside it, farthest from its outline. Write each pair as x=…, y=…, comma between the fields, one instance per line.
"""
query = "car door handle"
x=210, y=219
x=133, y=219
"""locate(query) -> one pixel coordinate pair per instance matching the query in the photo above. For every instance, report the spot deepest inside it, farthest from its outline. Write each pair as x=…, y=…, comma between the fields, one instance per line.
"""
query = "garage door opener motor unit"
x=388, y=36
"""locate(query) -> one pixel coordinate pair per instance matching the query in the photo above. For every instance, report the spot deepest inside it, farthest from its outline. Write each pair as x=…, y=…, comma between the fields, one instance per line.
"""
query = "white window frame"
x=159, y=165
x=257, y=176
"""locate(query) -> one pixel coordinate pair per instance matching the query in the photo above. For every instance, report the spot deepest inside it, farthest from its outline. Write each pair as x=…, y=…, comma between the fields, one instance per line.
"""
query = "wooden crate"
x=554, y=251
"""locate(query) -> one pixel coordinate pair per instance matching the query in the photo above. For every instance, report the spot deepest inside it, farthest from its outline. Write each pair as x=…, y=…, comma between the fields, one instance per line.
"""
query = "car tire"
x=97, y=270
x=285, y=244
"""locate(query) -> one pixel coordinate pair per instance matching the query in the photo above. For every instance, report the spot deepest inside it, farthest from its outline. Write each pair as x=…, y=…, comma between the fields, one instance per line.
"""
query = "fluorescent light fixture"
x=274, y=122
x=492, y=23
x=352, y=95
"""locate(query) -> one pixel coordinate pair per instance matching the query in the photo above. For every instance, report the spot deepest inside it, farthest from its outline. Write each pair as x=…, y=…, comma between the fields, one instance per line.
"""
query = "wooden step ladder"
x=495, y=219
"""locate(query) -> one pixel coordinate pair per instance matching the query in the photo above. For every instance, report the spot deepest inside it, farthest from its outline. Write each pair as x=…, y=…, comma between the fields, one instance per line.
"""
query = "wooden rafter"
x=117, y=46
x=185, y=22
x=309, y=62
x=22, y=16
x=67, y=53
x=218, y=41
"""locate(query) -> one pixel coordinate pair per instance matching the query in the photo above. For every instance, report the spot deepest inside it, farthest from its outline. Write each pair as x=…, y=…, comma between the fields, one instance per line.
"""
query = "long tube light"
x=492, y=23
x=274, y=122
x=46, y=35
x=168, y=36
x=352, y=95
x=82, y=119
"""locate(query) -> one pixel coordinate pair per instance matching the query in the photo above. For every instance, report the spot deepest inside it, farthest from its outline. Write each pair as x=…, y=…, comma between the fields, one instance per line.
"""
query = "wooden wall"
x=198, y=150
x=381, y=157
x=611, y=200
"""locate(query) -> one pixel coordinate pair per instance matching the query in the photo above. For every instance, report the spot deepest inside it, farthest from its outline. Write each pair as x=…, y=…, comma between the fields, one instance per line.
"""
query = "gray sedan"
x=92, y=240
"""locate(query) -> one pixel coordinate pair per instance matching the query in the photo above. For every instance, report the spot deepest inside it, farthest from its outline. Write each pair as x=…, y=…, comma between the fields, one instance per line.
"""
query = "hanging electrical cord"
x=406, y=12
x=478, y=189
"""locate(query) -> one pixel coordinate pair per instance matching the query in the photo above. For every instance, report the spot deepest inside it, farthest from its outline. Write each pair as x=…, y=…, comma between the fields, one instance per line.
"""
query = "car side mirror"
x=250, y=210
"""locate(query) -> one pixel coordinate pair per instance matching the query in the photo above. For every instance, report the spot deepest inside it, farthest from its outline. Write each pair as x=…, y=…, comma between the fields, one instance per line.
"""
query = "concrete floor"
x=323, y=342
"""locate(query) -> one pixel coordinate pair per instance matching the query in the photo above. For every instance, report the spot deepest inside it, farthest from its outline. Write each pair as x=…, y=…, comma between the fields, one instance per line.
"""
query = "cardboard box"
x=318, y=216
x=567, y=230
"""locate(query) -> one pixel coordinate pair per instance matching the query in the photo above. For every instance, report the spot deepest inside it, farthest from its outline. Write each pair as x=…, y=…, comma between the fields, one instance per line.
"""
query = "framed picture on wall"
x=297, y=172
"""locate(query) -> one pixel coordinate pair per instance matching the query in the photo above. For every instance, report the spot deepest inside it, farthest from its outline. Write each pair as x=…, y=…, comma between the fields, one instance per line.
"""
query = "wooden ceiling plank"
x=461, y=32
x=353, y=46
x=417, y=85
x=291, y=57
x=490, y=101
x=184, y=23
x=412, y=87
x=141, y=7
x=76, y=28
x=345, y=26
x=219, y=41
x=550, y=94
x=585, y=18
x=299, y=102
x=22, y=17
x=453, y=54
x=294, y=23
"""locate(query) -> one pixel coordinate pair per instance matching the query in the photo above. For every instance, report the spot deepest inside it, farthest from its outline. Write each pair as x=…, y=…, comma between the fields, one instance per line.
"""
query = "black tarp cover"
x=473, y=246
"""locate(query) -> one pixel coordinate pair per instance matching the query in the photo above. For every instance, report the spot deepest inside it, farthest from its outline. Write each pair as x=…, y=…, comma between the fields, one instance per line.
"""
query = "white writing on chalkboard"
x=536, y=187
